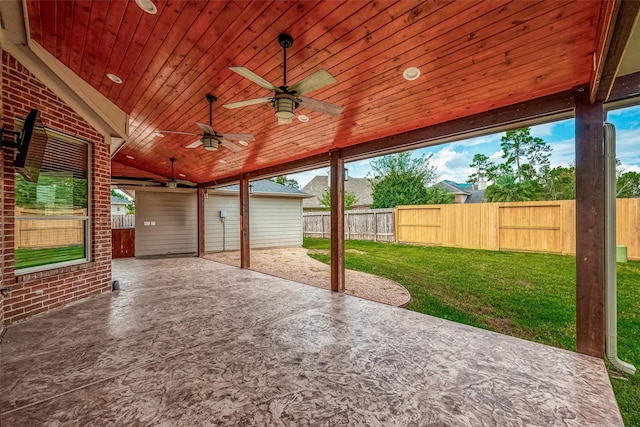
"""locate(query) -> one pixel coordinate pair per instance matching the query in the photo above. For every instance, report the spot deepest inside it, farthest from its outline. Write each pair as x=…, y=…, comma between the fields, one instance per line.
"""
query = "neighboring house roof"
x=119, y=201
x=264, y=186
x=451, y=187
x=360, y=187
x=474, y=195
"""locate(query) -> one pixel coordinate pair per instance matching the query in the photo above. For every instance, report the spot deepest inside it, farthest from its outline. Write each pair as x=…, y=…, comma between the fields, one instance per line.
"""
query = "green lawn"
x=25, y=258
x=531, y=296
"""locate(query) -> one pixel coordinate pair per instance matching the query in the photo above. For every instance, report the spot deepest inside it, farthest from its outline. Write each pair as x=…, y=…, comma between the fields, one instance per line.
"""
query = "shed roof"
x=267, y=187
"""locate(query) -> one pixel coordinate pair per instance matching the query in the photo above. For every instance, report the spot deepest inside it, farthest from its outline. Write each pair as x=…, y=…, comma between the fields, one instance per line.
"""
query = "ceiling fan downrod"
x=211, y=99
x=286, y=41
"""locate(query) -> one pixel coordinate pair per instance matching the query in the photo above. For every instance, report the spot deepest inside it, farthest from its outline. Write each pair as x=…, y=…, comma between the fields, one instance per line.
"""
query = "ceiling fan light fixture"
x=210, y=143
x=285, y=105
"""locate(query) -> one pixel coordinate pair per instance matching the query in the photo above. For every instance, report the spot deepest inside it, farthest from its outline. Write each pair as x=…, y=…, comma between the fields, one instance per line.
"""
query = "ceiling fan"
x=287, y=98
x=212, y=139
x=173, y=182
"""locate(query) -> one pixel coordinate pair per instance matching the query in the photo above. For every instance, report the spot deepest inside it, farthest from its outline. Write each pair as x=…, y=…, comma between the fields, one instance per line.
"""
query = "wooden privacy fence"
x=371, y=224
x=526, y=226
x=123, y=221
x=34, y=230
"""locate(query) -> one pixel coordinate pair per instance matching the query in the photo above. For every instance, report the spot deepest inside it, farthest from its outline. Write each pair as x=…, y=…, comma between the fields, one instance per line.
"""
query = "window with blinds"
x=52, y=226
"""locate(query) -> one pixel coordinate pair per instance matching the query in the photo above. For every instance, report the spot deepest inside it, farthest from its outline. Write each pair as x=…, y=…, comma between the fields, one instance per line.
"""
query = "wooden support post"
x=337, y=221
x=590, y=321
x=201, y=193
x=245, y=246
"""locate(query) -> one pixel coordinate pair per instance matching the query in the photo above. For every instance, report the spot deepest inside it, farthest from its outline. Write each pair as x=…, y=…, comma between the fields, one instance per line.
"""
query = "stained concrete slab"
x=193, y=342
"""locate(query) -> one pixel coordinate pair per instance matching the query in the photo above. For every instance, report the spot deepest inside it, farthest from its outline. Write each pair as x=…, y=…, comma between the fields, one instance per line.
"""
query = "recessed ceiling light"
x=148, y=6
x=303, y=118
x=114, y=78
x=130, y=157
x=243, y=143
x=411, y=73
x=181, y=175
x=157, y=135
x=224, y=162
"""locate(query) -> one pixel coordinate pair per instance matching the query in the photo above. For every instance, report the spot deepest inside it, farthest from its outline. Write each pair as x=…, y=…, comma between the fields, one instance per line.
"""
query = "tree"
x=437, y=196
x=628, y=185
x=287, y=182
x=507, y=188
x=519, y=148
x=482, y=166
x=350, y=199
x=400, y=179
x=558, y=183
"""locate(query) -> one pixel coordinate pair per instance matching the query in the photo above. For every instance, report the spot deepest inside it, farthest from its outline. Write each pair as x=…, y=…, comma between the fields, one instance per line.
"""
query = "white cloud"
x=543, y=130
x=452, y=164
x=496, y=157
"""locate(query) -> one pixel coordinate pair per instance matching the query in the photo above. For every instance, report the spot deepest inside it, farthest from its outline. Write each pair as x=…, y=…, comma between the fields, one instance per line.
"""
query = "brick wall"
x=42, y=291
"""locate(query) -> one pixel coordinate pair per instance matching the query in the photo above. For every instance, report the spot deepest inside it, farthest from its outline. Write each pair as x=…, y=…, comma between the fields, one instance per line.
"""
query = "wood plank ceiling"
x=474, y=57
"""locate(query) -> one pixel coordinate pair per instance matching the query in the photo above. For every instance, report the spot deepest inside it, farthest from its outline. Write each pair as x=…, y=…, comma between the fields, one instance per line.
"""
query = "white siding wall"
x=176, y=223
x=213, y=227
x=274, y=222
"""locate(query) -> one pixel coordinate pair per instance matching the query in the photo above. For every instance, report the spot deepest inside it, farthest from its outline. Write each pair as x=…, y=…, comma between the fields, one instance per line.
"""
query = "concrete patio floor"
x=193, y=342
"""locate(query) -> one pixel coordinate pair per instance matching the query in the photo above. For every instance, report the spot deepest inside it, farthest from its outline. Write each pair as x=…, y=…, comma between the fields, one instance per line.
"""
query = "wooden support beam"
x=201, y=193
x=590, y=321
x=626, y=90
x=245, y=246
x=618, y=20
x=337, y=221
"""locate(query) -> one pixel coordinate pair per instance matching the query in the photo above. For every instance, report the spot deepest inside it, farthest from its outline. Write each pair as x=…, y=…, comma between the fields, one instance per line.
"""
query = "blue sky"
x=453, y=159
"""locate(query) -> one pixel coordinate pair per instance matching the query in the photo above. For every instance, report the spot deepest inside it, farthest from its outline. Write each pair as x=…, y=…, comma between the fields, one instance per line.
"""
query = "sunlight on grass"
x=527, y=295
x=26, y=258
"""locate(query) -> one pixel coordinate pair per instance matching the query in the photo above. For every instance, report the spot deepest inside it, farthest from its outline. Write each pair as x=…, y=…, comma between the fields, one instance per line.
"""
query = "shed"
x=275, y=216
x=167, y=219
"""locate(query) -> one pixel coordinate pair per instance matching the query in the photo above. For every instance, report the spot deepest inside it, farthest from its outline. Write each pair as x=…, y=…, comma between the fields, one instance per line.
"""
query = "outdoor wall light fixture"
x=346, y=174
x=250, y=188
x=285, y=105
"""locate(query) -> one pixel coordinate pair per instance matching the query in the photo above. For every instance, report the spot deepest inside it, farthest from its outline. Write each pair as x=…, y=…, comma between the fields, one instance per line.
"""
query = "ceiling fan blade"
x=238, y=136
x=284, y=121
x=230, y=145
x=248, y=74
x=178, y=133
x=186, y=182
x=247, y=102
x=315, y=81
x=321, y=106
x=206, y=128
x=196, y=144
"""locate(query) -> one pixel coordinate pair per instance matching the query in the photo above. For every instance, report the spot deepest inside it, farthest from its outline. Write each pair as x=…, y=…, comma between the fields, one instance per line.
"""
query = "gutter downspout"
x=611, y=307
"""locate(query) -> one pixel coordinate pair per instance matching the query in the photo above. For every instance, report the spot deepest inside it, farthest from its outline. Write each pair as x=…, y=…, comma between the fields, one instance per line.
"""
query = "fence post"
x=375, y=226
